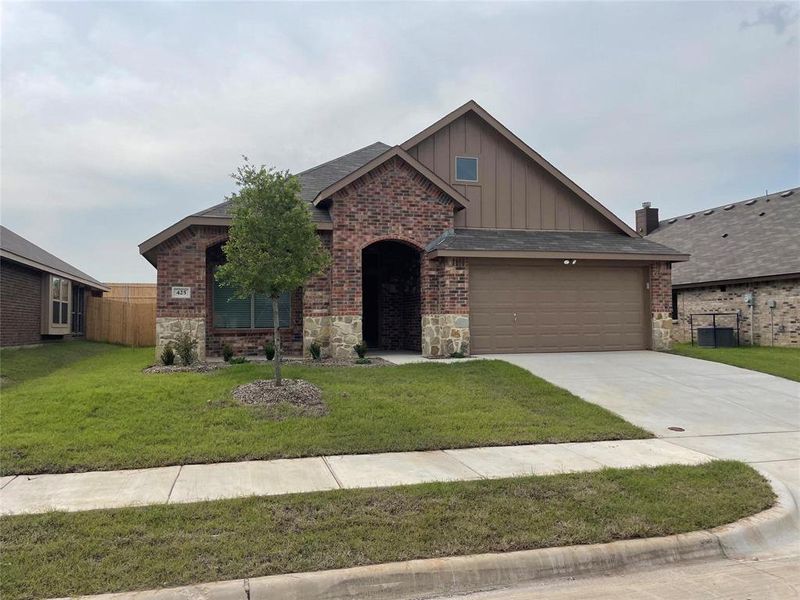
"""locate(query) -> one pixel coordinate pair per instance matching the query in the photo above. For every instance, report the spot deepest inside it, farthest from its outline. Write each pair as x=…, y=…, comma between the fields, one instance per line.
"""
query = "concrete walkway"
x=193, y=483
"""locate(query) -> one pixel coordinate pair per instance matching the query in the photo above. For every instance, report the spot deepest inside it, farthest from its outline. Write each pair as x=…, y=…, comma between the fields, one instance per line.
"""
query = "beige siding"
x=512, y=191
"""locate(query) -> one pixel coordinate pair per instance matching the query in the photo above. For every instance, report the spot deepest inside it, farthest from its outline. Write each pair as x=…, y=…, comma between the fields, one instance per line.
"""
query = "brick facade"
x=20, y=305
x=183, y=261
x=660, y=284
x=783, y=320
x=393, y=202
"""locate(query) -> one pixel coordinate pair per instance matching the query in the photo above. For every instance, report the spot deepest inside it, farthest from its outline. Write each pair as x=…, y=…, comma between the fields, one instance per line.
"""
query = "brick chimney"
x=646, y=219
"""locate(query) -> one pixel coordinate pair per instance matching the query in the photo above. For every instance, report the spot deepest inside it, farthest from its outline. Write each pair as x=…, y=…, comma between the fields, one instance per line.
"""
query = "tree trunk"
x=276, y=339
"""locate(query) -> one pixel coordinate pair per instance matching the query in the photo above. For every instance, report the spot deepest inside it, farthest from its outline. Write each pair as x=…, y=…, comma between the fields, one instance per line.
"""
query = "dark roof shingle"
x=316, y=179
x=520, y=240
x=759, y=237
x=17, y=245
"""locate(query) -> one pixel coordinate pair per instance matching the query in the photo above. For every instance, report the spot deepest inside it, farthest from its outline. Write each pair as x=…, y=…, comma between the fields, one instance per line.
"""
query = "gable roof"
x=751, y=239
x=16, y=248
x=397, y=151
x=315, y=179
x=311, y=182
x=472, y=106
x=522, y=243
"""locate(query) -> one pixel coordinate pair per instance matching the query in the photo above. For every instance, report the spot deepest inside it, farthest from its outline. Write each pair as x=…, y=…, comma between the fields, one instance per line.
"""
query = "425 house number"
x=181, y=292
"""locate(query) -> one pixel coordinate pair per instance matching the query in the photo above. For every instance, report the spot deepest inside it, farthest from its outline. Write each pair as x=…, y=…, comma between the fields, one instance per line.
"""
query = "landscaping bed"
x=102, y=412
x=293, y=398
x=67, y=554
x=198, y=367
x=779, y=361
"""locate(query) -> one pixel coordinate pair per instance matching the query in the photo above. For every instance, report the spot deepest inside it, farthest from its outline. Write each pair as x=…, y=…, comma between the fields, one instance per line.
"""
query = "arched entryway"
x=391, y=296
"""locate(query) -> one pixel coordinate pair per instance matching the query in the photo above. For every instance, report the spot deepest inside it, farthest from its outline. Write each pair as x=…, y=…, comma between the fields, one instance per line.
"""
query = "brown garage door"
x=522, y=306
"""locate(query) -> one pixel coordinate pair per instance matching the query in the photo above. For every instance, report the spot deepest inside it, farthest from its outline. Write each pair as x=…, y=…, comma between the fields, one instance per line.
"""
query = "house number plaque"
x=181, y=292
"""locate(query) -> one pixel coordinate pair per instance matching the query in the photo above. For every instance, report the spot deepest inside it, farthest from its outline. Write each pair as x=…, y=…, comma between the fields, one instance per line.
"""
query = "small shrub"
x=186, y=348
x=227, y=353
x=269, y=350
x=458, y=354
x=361, y=349
x=315, y=350
x=168, y=355
x=238, y=360
x=363, y=361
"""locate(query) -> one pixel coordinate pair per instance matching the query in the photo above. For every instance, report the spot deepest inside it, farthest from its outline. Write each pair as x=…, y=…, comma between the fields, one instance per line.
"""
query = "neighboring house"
x=745, y=258
x=41, y=296
x=460, y=238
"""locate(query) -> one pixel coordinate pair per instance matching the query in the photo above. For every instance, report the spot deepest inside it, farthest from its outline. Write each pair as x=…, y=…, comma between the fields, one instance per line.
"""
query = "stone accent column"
x=317, y=306
x=345, y=332
x=662, y=331
x=661, y=305
x=317, y=329
x=444, y=334
x=169, y=328
x=445, y=318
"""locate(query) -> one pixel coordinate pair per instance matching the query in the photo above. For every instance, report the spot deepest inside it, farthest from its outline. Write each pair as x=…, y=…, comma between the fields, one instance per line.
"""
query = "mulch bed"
x=205, y=367
x=302, y=398
x=336, y=362
x=195, y=368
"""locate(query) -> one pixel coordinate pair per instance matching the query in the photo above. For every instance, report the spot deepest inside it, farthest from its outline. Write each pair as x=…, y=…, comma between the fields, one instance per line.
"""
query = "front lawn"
x=101, y=412
x=67, y=554
x=783, y=362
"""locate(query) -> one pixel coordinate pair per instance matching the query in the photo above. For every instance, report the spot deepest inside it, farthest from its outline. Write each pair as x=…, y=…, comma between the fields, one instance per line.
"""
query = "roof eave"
x=560, y=254
x=734, y=281
x=146, y=247
x=525, y=149
x=47, y=269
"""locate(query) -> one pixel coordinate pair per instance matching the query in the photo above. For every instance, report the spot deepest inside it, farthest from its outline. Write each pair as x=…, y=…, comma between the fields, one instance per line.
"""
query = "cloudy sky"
x=119, y=119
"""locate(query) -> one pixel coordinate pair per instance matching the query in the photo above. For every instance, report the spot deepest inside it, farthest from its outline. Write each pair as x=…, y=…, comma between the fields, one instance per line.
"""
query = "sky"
x=120, y=118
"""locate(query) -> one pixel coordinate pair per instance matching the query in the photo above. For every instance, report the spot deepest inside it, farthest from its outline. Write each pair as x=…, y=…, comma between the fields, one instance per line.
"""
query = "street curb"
x=425, y=578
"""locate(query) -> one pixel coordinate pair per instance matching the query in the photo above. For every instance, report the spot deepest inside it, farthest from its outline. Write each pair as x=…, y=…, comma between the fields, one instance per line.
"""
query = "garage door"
x=522, y=306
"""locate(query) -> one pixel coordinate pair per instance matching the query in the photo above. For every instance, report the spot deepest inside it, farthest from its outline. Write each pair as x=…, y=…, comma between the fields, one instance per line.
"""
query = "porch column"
x=661, y=305
x=445, y=307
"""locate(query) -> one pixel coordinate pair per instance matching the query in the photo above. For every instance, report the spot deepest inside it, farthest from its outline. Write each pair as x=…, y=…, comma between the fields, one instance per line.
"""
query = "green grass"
x=102, y=412
x=24, y=364
x=66, y=554
x=783, y=362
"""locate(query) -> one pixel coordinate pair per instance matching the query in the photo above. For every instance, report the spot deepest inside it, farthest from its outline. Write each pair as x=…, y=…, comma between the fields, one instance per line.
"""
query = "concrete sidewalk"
x=194, y=483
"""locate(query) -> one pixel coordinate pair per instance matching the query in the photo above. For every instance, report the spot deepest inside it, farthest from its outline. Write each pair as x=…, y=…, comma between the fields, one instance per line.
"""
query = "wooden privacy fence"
x=131, y=292
x=121, y=322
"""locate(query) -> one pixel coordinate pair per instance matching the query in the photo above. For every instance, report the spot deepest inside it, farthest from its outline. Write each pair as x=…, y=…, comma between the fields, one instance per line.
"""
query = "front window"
x=254, y=312
x=60, y=298
x=466, y=168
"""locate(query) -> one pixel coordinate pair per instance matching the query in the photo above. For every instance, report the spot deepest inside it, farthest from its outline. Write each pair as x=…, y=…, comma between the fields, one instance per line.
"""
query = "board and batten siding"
x=512, y=191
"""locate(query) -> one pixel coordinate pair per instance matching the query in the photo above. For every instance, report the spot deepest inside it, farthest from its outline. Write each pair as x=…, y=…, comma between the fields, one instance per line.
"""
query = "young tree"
x=272, y=246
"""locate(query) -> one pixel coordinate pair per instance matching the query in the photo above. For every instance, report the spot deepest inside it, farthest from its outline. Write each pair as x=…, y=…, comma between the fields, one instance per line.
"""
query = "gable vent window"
x=466, y=168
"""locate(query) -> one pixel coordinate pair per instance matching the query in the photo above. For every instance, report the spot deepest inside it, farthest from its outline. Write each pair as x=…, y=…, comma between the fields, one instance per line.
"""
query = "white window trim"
x=477, y=169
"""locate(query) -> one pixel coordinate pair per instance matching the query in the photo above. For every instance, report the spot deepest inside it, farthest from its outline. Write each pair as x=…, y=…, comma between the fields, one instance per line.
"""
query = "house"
x=41, y=296
x=745, y=259
x=462, y=238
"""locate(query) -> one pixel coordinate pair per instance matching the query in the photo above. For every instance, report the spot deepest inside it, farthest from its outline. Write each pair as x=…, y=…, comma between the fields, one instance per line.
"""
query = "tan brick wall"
x=784, y=319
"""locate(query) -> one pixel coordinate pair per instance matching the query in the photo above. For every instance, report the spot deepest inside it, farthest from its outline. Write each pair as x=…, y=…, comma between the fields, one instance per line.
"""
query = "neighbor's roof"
x=16, y=248
x=549, y=244
x=317, y=179
x=755, y=238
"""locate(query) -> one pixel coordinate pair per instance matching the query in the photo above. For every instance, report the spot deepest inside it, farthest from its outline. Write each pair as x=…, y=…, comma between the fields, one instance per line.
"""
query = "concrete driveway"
x=724, y=411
